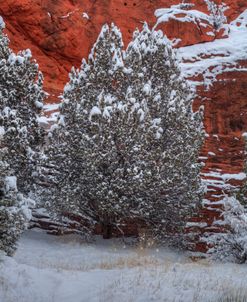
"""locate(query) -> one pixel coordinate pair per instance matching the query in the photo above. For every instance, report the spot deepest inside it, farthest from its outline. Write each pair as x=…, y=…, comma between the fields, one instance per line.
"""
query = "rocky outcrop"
x=218, y=72
x=60, y=33
x=214, y=59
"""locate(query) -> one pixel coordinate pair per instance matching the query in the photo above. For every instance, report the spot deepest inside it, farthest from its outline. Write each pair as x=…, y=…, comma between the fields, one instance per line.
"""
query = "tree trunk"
x=107, y=230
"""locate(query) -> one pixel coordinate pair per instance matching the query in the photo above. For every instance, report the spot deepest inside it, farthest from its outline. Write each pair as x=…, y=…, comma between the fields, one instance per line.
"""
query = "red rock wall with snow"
x=60, y=33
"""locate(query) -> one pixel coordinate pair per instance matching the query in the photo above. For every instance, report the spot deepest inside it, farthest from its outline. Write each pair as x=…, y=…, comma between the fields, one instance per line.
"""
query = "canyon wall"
x=60, y=33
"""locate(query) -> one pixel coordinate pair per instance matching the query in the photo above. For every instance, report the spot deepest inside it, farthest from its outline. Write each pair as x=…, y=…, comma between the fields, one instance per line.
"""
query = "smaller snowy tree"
x=21, y=97
x=217, y=16
x=14, y=213
x=231, y=245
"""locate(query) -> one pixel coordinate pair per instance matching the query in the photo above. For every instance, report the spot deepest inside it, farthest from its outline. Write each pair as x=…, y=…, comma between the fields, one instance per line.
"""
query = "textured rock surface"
x=218, y=71
x=225, y=121
x=61, y=32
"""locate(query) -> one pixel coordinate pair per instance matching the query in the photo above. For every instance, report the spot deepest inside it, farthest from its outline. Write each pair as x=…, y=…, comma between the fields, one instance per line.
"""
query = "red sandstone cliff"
x=61, y=32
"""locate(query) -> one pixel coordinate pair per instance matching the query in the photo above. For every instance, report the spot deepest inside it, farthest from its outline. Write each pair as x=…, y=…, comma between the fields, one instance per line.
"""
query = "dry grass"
x=129, y=262
x=151, y=278
x=234, y=295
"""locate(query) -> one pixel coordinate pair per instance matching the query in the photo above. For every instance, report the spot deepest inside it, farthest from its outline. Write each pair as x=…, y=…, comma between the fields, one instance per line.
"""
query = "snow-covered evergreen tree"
x=12, y=218
x=156, y=83
x=231, y=245
x=21, y=97
x=126, y=144
x=217, y=16
x=68, y=149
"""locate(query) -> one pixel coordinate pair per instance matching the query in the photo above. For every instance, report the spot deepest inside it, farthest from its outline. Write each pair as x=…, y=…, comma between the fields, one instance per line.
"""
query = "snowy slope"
x=213, y=58
x=64, y=269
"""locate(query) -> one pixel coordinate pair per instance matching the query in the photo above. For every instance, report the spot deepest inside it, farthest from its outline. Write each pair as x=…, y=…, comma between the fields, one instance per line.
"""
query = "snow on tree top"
x=116, y=31
x=141, y=45
x=106, y=30
x=20, y=58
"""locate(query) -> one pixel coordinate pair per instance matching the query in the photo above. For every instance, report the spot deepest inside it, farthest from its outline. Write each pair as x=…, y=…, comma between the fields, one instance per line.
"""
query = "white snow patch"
x=211, y=153
x=38, y=104
x=196, y=224
x=175, y=12
x=2, y=132
x=241, y=20
x=51, y=107
x=94, y=111
x=68, y=14
x=65, y=269
x=43, y=120
x=11, y=183
x=226, y=176
x=85, y=15
x=239, y=176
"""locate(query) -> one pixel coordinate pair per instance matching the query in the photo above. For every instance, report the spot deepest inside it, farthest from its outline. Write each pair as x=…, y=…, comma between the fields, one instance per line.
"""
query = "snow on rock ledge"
x=57, y=43
x=188, y=26
x=241, y=21
x=218, y=72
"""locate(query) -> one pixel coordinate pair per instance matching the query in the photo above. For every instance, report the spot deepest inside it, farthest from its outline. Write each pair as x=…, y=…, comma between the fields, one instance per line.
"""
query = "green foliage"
x=21, y=97
x=127, y=141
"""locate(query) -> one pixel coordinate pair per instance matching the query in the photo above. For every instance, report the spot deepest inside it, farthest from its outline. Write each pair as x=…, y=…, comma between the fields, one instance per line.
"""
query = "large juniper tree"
x=21, y=97
x=127, y=142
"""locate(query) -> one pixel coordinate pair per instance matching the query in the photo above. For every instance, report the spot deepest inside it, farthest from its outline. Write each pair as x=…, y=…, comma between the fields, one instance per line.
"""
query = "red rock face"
x=225, y=121
x=60, y=33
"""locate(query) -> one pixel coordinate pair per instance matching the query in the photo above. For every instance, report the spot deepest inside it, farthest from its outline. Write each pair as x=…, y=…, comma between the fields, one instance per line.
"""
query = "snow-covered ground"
x=65, y=269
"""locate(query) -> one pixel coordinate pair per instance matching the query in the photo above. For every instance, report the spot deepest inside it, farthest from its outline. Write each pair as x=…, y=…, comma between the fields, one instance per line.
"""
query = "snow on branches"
x=126, y=143
x=217, y=16
x=231, y=245
x=14, y=212
x=21, y=97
